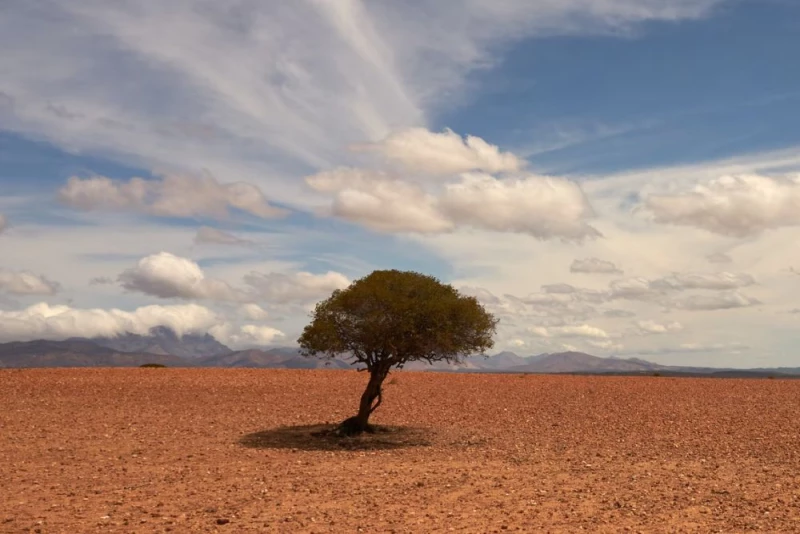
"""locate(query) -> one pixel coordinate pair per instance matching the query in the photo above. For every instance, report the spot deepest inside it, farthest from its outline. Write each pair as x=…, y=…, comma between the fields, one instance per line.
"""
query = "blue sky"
x=617, y=177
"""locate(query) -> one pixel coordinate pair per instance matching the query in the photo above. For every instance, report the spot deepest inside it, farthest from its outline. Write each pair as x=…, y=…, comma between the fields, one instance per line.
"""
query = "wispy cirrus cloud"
x=280, y=106
x=213, y=236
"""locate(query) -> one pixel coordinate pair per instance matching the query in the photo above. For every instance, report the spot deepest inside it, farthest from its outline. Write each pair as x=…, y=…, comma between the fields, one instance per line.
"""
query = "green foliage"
x=389, y=318
x=154, y=365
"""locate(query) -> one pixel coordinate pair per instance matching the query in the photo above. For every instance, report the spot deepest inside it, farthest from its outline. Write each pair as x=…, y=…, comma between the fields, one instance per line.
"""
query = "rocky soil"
x=222, y=450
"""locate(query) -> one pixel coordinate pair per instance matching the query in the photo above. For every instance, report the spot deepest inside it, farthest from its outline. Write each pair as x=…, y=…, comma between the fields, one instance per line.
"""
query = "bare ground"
x=172, y=450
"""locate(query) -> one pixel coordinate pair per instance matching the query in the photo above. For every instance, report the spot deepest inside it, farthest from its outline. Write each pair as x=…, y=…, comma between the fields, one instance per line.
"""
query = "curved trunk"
x=370, y=400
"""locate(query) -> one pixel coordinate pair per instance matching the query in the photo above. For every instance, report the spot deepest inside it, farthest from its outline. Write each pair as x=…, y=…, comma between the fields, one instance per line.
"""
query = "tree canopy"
x=390, y=318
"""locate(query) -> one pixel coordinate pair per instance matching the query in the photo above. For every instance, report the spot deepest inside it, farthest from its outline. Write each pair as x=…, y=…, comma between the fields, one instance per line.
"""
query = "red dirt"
x=158, y=450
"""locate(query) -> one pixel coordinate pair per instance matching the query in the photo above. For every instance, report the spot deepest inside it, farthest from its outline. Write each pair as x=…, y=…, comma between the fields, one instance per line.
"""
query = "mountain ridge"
x=163, y=346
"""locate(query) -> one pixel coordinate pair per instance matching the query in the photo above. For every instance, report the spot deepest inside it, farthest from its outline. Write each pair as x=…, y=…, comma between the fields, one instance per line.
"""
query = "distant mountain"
x=75, y=353
x=271, y=358
x=205, y=351
x=163, y=340
x=579, y=362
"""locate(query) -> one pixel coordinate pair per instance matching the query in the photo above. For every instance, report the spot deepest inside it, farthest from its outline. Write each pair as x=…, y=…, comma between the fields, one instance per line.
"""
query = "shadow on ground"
x=322, y=438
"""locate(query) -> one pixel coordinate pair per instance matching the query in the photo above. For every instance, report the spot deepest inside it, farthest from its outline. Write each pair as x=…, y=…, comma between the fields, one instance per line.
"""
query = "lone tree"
x=390, y=318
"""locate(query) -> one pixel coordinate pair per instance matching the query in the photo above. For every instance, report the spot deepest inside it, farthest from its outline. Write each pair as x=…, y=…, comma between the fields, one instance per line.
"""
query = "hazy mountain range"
x=163, y=346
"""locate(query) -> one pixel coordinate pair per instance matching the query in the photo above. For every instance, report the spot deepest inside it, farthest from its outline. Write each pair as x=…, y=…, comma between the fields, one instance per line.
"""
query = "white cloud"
x=26, y=283
x=208, y=235
x=253, y=312
x=420, y=150
x=245, y=336
x=379, y=202
x=735, y=205
x=540, y=206
x=594, y=265
x=43, y=321
x=571, y=331
x=719, y=257
x=173, y=195
x=295, y=287
x=722, y=301
x=3, y=223
x=652, y=327
x=165, y=275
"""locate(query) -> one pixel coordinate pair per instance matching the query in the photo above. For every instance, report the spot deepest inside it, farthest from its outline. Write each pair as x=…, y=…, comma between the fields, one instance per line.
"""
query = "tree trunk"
x=360, y=422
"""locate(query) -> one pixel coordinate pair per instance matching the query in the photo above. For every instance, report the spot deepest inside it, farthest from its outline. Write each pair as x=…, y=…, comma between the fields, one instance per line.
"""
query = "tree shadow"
x=324, y=438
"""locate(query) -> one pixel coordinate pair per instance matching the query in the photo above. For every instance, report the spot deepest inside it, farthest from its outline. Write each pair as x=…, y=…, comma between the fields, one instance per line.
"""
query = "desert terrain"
x=224, y=450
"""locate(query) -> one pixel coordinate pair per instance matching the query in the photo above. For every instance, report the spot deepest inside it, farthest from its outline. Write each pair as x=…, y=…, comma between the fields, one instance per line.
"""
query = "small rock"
x=223, y=521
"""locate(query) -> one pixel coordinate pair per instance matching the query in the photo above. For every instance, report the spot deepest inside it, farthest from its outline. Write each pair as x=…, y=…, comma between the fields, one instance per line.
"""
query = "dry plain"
x=202, y=450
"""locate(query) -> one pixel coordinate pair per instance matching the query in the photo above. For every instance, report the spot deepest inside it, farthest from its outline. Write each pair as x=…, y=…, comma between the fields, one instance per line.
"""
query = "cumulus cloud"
x=208, y=235
x=296, y=287
x=381, y=203
x=165, y=275
x=594, y=265
x=540, y=206
x=3, y=223
x=719, y=257
x=420, y=150
x=26, y=283
x=172, y=195
x=572, y=331
x=43, y=321
x=737, y=205
x=652, y=327
x=253, y=312
x=722, y=301
x=101, y=281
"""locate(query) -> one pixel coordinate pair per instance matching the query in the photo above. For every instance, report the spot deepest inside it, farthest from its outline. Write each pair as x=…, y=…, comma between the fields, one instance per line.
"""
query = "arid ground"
x=201, y=450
